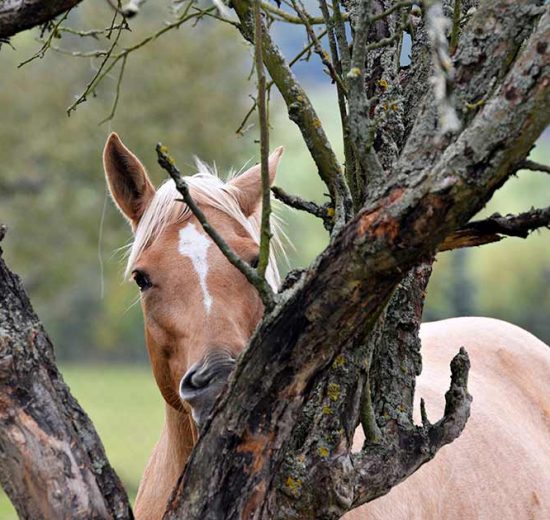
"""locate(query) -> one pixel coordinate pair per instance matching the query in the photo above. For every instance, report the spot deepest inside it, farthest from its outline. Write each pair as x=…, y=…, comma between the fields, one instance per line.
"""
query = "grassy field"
x=127, y=410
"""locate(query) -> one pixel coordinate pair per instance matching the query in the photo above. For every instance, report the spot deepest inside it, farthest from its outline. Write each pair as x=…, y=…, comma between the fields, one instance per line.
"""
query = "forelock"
x=206, y=188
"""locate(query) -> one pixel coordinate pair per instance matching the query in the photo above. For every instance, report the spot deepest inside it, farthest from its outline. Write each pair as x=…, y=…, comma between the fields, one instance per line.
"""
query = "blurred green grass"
x=124, y=404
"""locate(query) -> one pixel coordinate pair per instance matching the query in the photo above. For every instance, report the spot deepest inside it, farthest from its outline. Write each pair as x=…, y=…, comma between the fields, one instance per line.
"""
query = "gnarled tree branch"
x=52, y=463
x=496, y=227
x=300, y=111
x=378, y=468
x=19, y=15
x=348, y=288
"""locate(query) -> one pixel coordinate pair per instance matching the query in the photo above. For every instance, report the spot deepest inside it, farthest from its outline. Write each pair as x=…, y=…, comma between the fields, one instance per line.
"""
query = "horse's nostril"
x=204, y=381
x=193, y=382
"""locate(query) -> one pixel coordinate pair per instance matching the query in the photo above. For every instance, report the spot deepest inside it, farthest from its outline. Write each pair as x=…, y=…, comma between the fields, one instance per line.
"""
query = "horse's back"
x=499, y=468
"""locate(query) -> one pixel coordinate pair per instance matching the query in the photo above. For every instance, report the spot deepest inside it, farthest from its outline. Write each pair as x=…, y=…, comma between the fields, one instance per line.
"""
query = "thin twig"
x=210, y=13
x=338, y=21
x=341, y=90
x=386, y=42
x=301, y=112
x=287, y=17
x=299, y=8
x=359, y=120
x=117, y=91
x=392, y=9
x=325, y=212
x=94, y=33
x=53, y=33
x=105, y=67
x=98, y=53
x=455, y=31
x=241, y=130
x=167, y=163
x=265, y=230
x=92, y=84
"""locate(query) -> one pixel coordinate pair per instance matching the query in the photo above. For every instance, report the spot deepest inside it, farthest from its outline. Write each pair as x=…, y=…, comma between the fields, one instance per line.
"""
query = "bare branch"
x=339, y=27
x=299, y=8
x=93, y=33
x=287, y=17
x=19, y=15
x=100, y=74
x=455, y=31
x=107, y=66
x=339, y=51
x=265, y=229
x=117, y=91
x=496, y=227
x=301, y=111
x=534, y=166
x=359, y=117
x=259, y=282
x=417, y=445
x=54, y=32
x=324, y=212
x=241, y=130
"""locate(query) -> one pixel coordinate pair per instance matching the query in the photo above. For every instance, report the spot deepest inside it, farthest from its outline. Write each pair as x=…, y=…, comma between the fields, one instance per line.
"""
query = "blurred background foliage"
x=189, y=89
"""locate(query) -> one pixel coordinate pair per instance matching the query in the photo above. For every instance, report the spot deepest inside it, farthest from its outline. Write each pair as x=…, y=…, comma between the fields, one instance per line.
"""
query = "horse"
x=200, y=311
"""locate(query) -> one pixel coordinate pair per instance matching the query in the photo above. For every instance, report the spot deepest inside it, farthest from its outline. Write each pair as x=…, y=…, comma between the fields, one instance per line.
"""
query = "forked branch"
x=417, y=445
x=300, y=111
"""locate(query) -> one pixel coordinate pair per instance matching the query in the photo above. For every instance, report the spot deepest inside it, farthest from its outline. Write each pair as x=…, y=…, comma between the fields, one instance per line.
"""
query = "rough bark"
x=19, y=15
x=496, y=227
x=52, y=463
x=242, y=447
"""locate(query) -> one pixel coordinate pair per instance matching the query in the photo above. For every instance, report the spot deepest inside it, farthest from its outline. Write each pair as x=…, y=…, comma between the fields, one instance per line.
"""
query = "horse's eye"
x=255, y=261
x=142, y=280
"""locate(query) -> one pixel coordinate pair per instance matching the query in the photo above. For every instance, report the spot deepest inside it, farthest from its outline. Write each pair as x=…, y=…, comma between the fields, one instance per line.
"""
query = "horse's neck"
x=165, y=465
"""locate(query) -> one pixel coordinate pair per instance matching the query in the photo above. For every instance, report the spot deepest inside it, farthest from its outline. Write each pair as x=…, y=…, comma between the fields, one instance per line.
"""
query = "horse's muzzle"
x=204, y=381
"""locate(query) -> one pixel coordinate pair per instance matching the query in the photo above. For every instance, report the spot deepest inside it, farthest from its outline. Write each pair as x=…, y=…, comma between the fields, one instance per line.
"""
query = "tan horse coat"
x=499, y=468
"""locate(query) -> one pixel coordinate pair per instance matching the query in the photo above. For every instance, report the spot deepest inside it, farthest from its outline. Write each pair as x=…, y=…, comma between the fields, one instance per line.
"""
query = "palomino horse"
x=200, y=311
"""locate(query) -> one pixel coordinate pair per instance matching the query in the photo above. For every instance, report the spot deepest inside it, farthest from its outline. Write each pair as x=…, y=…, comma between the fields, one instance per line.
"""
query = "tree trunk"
x=53, y=464
x=433, y=188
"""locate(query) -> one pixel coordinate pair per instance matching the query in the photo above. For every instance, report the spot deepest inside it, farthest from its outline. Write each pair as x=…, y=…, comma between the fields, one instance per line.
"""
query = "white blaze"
x=195, y=246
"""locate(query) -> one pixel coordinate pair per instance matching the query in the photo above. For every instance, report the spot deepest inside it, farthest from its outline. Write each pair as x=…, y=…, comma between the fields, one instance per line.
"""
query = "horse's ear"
x=248, y=185
x=128, y=182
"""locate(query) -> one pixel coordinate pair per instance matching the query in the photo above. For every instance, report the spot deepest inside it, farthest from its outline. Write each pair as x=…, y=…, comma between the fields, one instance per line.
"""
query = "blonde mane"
x=206, y=188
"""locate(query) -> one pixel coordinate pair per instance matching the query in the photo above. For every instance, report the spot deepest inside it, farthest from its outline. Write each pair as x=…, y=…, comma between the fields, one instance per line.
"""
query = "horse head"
x=199, y=310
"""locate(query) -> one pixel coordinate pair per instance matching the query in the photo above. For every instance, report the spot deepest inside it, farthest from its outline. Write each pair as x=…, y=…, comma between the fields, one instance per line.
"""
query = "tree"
x=419, y=163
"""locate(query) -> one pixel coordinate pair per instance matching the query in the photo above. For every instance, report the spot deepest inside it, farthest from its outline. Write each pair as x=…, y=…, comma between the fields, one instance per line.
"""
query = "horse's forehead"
x=192, y=242
x=194, y=245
